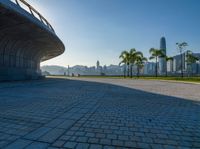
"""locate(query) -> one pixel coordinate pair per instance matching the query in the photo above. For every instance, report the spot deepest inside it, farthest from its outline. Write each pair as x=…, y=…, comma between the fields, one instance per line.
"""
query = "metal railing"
x=35, y=13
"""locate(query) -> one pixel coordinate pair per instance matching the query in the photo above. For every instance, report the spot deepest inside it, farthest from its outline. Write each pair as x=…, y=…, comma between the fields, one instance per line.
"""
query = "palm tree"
x=132, y=60
x=133, y=56
x=181, y=47
x=191, y=59
x=125, y=56
x=139, y=61
x=123, y=62
x=155, y=54
x=167, y=58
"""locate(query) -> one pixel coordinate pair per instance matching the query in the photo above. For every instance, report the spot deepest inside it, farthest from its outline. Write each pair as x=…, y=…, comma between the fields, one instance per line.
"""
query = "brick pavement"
x=60, y=113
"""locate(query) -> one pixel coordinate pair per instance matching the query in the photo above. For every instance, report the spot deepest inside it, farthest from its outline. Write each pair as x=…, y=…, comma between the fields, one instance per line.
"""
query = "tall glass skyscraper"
x=162, y=61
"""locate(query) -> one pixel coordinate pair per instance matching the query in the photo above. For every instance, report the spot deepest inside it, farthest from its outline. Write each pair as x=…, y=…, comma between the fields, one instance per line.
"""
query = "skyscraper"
x=162, y=62
x=98, y=64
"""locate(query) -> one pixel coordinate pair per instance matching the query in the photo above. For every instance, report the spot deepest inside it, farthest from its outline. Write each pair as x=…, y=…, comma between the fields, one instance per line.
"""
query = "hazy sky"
x=100, y=29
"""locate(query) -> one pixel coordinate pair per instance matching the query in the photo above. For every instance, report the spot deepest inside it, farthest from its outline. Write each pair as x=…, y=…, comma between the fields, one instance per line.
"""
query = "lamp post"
x=68, y=71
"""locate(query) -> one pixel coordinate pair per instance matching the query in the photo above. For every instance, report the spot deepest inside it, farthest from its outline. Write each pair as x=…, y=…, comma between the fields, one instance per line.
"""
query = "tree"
x=155, y=53
x=191, y=59
x=139, y=61
x=125, y=56
x=133, y=57
x=132, y=60
x=181, y=47
x=167, y=58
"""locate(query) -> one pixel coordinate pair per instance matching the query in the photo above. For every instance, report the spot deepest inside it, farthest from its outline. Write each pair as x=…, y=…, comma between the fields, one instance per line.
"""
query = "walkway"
x=87, y=113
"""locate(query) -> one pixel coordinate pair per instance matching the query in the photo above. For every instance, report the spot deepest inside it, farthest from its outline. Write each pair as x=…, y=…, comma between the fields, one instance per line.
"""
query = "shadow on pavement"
x=146, y=119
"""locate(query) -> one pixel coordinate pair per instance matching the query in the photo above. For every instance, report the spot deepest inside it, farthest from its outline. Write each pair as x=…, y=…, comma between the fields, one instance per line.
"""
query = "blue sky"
x=100, y=29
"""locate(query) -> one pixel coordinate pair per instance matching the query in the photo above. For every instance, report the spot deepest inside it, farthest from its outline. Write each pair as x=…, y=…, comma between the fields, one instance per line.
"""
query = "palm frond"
x=139, y=53
x=144, y=59
x=151, y=57
x=168, y=58
x=152, y=50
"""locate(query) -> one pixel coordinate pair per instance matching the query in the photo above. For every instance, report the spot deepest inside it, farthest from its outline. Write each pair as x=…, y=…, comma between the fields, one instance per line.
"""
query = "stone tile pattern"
x=61, y=113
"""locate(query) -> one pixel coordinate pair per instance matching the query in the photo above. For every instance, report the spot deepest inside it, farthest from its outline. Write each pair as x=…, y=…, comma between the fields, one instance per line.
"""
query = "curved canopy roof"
x=25, y=34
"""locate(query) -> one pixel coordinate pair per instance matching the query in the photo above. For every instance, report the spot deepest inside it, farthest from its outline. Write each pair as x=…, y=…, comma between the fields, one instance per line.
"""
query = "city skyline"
x=100, y=30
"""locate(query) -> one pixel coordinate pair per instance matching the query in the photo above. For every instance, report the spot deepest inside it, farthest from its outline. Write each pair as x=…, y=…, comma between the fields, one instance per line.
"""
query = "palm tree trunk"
x=131, y=70
x=192, y=71
x=124, y=74
x=128, y=70
x=125, y=71
x=188, y=70
x=138, y=71
x=181, y=65
x=156, y=67
x=166, y=69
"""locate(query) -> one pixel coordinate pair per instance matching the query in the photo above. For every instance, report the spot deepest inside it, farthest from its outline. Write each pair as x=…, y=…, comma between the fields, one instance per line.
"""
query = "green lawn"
x=179, y=79
x=184, y=79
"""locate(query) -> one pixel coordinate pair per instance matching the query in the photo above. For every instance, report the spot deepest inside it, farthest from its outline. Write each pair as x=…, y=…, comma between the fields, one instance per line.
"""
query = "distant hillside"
x=83, y=70
x=54, y=70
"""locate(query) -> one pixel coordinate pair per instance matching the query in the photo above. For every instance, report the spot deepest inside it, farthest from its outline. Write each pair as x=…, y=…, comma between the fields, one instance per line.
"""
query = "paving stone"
x=82, y=146
x=80, y=133
x=135, y=138
x=58, y=143
x=73, y=138
x=117, y=142
x=70, y=133
x=52, y=135
x=186, y=143
x=160, y=141
x=89, y=134
x=95, y=146
x=37, y=133
x=162, y=136
x=75, y=128
x=139, y=134
x=100, y=135
x=171, y=142
x=109, y=147
x=170, y=147
x=3, y=143
x=93, y=140
x=120, y=137
x=112, y=136
x=76, y=116
x=37, y=145
x=53, y=148
x=130, y=144
x=183, y=147
x=20, y=143
x=82, y=139
x=108, y=131
x=54, y=122
x=105, y=141
x=143, y=145
x=157, y=146
x=66, y=124
x=70, y=144
x=196, y=144
x=147, y=140
x=65, y=138
x=61, y=113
